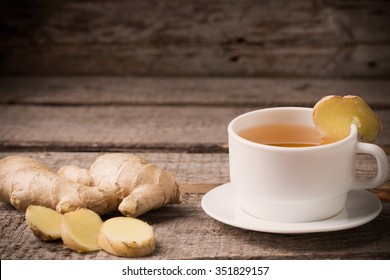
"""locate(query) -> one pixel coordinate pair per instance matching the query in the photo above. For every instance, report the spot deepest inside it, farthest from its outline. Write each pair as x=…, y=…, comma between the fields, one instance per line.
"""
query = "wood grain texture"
x=113, y=128
x=178, y=238
x=219, y=38
x=176, y=91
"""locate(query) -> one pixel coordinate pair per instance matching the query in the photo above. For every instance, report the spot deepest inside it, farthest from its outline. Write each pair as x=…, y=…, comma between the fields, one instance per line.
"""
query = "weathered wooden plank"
x=124, y=127
x=221, y=92
x=272, y=38
x=136, y=126
x=104, y=21
x=79, y=59
x=185, y=232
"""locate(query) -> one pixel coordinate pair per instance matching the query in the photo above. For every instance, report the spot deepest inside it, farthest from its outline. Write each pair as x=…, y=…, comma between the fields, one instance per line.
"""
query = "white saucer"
x=361, y=207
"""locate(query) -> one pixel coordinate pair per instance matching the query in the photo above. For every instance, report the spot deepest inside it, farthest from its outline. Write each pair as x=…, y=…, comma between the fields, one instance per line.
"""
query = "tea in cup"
x=282, y=169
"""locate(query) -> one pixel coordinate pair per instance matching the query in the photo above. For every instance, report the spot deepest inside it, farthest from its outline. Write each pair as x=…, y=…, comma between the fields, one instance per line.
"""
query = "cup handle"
x=382, y=164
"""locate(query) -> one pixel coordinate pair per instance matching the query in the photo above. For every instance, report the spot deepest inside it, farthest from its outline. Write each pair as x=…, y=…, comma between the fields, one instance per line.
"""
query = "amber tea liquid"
x=284, y=135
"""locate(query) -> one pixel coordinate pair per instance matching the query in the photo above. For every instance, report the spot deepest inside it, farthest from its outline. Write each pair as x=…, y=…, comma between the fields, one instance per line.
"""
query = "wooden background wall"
x=262, y=38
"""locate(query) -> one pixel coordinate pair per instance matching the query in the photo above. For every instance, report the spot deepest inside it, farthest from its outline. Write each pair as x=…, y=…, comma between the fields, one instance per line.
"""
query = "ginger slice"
x=80, y=229
x=44, y=222
x=333, y=116
x=126, y=237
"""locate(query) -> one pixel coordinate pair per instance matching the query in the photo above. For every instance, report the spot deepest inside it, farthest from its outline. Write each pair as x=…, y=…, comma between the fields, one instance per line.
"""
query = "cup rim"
x=235, y=136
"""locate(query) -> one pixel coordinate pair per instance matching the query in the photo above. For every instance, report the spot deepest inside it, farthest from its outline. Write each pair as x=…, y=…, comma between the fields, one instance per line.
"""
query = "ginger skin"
x=113, y=182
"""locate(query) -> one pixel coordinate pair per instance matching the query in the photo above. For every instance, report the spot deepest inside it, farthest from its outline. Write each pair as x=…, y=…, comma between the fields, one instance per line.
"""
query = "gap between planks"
x=41, y=146
x=382, y=192
x=220, y=104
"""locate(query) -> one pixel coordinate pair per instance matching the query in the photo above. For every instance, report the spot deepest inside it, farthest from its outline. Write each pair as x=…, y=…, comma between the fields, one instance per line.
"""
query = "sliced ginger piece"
x=44, y=222
x=80, y=229
x=333, y=116
x=126, y=237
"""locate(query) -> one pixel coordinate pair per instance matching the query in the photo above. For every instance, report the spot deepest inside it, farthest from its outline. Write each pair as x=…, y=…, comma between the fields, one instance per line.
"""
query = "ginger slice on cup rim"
x=333, y=116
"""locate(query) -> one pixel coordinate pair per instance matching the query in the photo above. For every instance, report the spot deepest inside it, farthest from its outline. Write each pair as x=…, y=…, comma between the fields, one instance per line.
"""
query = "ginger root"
x=80, y=230
x=113, y=181
x=45, y=223
x=126, y=237
x=333, y=116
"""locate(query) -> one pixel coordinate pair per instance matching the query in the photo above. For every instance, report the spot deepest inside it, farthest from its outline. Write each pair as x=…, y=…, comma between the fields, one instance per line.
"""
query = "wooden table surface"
x=179, y=124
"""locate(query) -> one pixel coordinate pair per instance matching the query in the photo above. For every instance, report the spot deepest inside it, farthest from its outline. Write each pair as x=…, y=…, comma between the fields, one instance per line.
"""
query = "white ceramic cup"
x=296, y=184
